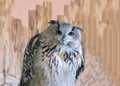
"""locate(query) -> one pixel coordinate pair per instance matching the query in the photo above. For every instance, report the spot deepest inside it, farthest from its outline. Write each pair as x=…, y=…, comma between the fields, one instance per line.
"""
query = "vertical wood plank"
x=104, y=47
x=47, y=13
x=93, y=28
x=61, y=18
x=118, y=60
x=109, y=50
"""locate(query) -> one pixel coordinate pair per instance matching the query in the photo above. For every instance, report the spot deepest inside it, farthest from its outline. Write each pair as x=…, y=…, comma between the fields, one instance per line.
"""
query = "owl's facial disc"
x=65, y=36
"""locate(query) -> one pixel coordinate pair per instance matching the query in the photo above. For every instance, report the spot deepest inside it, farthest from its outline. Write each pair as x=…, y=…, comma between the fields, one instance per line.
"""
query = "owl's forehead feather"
x=64, y=25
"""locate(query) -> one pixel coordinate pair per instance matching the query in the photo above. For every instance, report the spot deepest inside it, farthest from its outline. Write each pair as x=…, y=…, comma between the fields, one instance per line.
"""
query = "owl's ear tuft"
x=80, y=29
x=75, y=27
x=53, y=22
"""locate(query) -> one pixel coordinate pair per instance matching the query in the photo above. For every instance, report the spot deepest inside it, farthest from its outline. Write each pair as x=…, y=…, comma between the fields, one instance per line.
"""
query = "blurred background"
x=21, y=19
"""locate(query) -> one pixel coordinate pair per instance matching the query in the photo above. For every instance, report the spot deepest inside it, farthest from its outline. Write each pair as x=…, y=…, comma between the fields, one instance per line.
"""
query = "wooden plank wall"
x=100, y=21
x=98, y=18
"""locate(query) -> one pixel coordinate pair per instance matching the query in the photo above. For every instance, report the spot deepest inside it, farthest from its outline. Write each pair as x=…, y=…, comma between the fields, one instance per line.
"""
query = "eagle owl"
x=54, y=57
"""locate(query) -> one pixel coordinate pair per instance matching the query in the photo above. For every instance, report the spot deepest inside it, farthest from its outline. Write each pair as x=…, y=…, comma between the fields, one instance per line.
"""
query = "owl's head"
x=66, y=34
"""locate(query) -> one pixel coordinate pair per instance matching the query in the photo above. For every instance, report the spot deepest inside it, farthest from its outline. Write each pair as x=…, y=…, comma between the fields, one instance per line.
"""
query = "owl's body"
x=54, y=57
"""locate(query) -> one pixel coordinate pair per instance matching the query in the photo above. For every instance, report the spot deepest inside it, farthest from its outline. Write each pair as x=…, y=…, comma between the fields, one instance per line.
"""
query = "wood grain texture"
x=98, y=18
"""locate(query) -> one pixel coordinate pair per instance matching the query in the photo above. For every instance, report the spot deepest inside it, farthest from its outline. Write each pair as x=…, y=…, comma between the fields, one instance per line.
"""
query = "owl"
x=54, y=57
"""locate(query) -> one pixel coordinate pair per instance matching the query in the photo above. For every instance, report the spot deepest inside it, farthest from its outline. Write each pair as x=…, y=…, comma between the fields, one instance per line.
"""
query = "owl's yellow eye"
x=58, y=32
x=72, y=33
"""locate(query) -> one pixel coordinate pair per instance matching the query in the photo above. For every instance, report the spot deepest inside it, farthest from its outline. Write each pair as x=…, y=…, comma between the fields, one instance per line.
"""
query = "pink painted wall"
x=21, y=7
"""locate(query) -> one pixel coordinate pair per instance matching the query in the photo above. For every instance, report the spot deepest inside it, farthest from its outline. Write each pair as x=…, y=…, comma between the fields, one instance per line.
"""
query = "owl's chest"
x=60, y=65
x=62, y=71
x=59, y=69
x=58, y=60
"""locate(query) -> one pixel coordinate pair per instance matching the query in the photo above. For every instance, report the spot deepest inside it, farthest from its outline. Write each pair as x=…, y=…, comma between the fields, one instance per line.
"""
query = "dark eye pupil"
x=71, y=33
x=58, y=32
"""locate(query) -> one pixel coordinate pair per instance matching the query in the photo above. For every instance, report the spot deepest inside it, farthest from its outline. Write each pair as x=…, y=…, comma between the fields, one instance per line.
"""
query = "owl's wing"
x=82, y=66
x=27, y=67
x=41, y=77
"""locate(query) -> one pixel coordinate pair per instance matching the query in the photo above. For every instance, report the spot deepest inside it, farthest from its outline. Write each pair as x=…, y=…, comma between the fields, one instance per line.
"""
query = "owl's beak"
x=64, y=40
